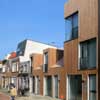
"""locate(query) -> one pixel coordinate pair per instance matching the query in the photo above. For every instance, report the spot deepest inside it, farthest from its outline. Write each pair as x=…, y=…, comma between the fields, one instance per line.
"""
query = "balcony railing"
x=25, y=68
x=84, y=63
x=45, y=68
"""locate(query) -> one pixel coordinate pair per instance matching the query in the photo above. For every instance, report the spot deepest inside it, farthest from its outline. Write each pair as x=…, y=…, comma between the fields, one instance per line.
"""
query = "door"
x=49, y=86
x=56, y=86
x=33, y=84
x=74, y=87
x=92, y=87
x=38, y=85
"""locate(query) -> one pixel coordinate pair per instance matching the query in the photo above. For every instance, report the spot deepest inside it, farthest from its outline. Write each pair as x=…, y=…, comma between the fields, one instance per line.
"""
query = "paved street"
x=35, y=98
x=32, y=97
x=4, y=97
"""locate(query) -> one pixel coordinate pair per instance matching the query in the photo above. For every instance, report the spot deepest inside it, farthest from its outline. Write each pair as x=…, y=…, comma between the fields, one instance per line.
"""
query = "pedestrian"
x=13, y=92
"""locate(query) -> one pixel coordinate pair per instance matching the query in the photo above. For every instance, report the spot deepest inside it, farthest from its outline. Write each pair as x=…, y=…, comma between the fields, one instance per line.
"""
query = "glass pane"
x=68, y=28
x=75, y=21
x=88, y=54
x=74, y=88
x=92, y=87
x=56, y=86
x=92, y=54
x=46, y=58
x=75, y=26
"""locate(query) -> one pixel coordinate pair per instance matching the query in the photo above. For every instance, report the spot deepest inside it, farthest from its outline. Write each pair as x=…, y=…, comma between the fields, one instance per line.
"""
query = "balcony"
x=45, y=68
x=88, y=54
x=84, y=63
x=25, y=68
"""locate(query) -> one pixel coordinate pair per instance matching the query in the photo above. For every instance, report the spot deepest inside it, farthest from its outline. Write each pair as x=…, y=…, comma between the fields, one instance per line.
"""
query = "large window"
x=71, y=27
x=88, y=54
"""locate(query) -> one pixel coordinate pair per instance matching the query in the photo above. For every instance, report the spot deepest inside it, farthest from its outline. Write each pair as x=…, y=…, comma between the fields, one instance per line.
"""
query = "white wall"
x=35, y=47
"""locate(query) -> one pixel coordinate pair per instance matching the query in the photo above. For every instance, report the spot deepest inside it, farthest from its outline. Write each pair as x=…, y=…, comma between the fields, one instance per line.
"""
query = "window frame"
x=71, y=18
x=81, y=56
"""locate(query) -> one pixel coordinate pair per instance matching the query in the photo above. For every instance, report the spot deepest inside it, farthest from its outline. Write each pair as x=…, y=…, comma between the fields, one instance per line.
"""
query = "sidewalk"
x=30, y=97
x=34, y=97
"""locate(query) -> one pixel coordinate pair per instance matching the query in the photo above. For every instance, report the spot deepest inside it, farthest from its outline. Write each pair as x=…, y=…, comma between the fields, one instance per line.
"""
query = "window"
x=71, y=27
x=14, y=81
x=45, y=66
x=4, y=69
x=92, y=87
x=88, y=54
x=14, y=67
x=31, y=59
x=46, y=58
x=21, y=48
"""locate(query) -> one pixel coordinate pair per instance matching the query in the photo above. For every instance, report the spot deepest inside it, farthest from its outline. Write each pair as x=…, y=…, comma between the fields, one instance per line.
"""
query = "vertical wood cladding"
x=71, y=56
x=88, y=17
x=37, y=61
x=89, y=23
x=53, y=56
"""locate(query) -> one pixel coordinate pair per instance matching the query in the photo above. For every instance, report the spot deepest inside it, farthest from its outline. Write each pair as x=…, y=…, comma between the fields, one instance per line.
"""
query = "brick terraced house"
x=48, y=73
x=16, y=67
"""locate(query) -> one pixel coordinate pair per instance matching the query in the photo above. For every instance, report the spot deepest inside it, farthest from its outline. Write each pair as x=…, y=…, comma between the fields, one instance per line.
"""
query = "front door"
x=74, y=87
x=33, y=84
x=92, y=87
x=56, y=86
x=49, y=86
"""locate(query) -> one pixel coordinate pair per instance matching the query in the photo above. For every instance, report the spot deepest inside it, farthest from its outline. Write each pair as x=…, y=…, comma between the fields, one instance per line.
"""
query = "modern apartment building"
x=81, y=49
x=48, y=73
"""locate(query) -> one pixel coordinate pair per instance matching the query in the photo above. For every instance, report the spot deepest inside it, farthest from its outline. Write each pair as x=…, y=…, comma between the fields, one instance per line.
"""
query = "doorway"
x=48, y=86
x=74, y=87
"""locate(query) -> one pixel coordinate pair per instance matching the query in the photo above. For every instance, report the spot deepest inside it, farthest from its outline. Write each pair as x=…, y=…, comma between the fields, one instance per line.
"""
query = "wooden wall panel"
x=88, y=16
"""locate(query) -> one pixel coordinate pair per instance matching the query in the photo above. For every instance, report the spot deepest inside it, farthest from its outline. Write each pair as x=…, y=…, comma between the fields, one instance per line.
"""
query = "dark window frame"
x=73, y=36
x=86, y=57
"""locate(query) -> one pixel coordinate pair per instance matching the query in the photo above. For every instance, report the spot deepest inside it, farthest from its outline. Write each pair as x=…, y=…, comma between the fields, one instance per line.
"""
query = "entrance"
x=74, y=87
x=33, y=84
x=92, y=87
x=56, y=86
x=48, y=86
x=37, y=85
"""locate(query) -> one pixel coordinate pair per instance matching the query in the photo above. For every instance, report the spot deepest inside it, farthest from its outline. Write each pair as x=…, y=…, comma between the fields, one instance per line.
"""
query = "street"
x=35, y=98
x=4, y=97
x=32, y=97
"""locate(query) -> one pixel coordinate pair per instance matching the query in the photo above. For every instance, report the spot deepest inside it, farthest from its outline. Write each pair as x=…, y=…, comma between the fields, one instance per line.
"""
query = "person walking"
x=13, y=92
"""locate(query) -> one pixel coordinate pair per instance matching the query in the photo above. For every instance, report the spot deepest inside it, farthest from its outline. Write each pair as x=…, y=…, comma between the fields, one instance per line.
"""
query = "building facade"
x=81, y=49
x=17, y=68
x=48, y=73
